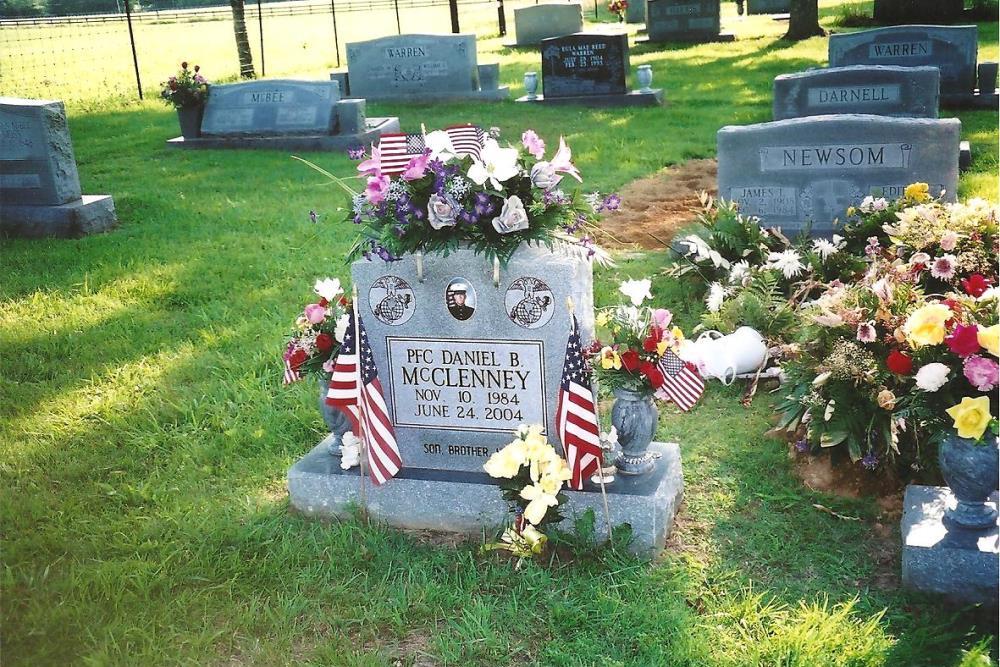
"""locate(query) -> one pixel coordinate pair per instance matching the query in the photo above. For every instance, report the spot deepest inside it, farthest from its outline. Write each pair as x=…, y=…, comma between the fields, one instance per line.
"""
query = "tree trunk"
x=803, y=21
x=242, y=41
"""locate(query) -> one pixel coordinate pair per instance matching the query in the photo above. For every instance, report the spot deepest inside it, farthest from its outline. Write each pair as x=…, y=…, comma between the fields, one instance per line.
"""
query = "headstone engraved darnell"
x=808, y=171
x=881, y=90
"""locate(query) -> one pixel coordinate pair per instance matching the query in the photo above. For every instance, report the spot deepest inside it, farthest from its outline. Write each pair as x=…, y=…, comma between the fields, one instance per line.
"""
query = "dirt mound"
x=655, y=207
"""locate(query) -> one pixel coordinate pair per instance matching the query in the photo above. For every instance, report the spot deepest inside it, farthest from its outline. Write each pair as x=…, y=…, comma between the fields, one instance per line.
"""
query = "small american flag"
x=365, y=404
x=397, y=149
x=576, y=416
x=466, y=139
x=681, y=382
x=291, y=374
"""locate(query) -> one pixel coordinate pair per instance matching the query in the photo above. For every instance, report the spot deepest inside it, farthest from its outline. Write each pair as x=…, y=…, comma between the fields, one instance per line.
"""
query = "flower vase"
x=531, y=84
x=971, y=472
x=190, y=121
x=634, y=416
x=335, y=419
x=644, y=77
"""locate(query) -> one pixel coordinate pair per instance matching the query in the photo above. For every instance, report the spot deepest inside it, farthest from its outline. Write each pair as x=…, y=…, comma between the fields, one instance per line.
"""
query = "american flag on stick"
x=398, y=149
x=681, y=382
x=365, y=404
x=466, y=139
x=576, y=414
x=291, y=374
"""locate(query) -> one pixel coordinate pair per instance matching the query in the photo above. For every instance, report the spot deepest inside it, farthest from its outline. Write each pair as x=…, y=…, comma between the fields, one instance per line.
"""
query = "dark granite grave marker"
x=684, y=21
x=585, y=65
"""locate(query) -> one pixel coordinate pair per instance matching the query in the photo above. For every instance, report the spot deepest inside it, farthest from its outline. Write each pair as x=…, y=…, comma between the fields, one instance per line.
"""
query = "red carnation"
x=630, y=360
x=297, y=358
x=324, y=342
x=975, y=285
x=655, y=335
x=899, y=363
x=323, y=302
x=964, y=340
x=652, y=373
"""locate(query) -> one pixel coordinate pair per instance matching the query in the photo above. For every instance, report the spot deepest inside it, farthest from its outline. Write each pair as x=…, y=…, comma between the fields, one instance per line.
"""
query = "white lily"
x=494, y=164
x=637, y=290
x=328, y=288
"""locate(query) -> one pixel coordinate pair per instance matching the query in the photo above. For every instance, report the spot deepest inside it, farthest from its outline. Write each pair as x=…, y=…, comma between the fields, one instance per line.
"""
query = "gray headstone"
x=489, y=76
x=682, y=20
x=585, y=64
x=402, y=65
x=952, y=49
x=769, y=6
x=37, y=165
x=636, y=12
x=987, y=77
x=961, y=565
x=534, y=23
x=459, y=378
x=272, y=107
x=810, y=170
x=352, y=117
x=869, y=89
x=343, y=81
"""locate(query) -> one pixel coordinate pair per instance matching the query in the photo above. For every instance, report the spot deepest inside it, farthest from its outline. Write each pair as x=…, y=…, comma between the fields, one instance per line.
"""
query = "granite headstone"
x=682, y=20
x=534, y=23
x=952, y=49
x=585, y=64
x=881, y=90
x=807, y=171
x=271, y=107
x=769, y=6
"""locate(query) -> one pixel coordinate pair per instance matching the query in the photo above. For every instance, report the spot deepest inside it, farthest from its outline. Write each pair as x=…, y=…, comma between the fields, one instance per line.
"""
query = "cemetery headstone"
x=684, y=21
x=40, y=191
x=881, y=90
x=463, y=359
x=806, y=172
x=952, y=49
x=636, y=12
x=769, y=6
x=285, y=114
x=421, y=67
x=918, y=11
x=534, y=23
x=591, y=70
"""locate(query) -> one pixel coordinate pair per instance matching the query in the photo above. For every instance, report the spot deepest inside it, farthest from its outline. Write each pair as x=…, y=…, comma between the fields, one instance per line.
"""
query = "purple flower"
x=416, y=167
x=982, y=372
x=869, y=461
x=483, y=205
x=533, y=144
x=801, y=446
x=612, y=202
x=873, y=246
x=356, y=153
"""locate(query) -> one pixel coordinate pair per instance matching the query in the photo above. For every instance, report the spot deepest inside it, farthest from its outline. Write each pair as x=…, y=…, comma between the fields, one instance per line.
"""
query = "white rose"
x=544, y=176
x=932, y=376
x=513, y=217
x=441, y=211
x=328, y=288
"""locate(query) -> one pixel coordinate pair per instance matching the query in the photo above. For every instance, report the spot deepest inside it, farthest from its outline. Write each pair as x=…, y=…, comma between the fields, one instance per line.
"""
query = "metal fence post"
x=399, y=28
x=336, y=43
x=260, y=29
x=453, y=7
x=501, y=18
x=131, y=39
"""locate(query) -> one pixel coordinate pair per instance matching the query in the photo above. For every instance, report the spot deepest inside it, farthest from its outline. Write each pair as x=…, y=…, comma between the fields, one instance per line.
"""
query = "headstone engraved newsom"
x=456, y=389
x=421, y=67
x=806, y=172
x=40, y=191
x=880, y=90
x=684, y=21
x=534, y=23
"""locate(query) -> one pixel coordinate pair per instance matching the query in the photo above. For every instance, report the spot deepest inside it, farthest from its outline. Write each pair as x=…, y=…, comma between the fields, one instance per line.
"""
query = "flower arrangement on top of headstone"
x=187, y=92
x=638, y=355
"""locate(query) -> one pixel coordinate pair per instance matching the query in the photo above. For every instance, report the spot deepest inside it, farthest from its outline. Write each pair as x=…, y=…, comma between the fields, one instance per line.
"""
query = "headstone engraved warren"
x=952, y=49
x=271, y=108
x=534, y=23
x=682, y=20
x=585, y=64
x=457, y=389
x=808, y=171
x=881, y=90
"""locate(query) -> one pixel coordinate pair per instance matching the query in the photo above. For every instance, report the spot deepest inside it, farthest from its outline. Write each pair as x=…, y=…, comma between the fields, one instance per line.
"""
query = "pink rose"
x=533, y=143
x=662, y=318
x=315, y=313
x=377, y=186
x=982, y=372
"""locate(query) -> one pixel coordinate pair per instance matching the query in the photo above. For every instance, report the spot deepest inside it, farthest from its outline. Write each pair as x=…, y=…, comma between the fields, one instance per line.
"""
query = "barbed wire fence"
x=97, y=59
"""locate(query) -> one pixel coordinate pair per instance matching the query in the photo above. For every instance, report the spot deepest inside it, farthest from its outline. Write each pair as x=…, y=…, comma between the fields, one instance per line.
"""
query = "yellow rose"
x=602, y=319
x=539, y=503
x=504, y=463
x=971, y=416
x=661, y=347
x=989, y=338
x=925, y=326
x=610, y=359
x=917, y=191
x=886, y=399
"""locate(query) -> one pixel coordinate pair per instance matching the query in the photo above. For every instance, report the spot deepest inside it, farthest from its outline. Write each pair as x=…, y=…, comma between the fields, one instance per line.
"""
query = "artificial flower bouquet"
x=631, y=340
x=532, y=475
x=318, y=333
x=186, y=89
x=493, y=202
x=618, y=7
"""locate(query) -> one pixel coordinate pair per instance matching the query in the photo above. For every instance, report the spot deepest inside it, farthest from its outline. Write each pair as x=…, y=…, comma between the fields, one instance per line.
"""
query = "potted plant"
x=636, y=356
x=187, y=92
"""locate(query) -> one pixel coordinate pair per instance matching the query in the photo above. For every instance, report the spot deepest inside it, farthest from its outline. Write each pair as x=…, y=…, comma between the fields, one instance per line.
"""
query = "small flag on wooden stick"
x=398, y=149
x=681, y=382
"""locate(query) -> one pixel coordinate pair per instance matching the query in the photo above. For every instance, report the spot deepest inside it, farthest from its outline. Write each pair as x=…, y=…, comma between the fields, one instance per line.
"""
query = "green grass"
x=144, y=437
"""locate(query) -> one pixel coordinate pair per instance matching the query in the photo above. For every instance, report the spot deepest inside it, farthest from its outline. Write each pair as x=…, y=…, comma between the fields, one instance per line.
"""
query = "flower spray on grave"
x=187, y=92
x=638, y=355
x=618, y=7
x=532, y=476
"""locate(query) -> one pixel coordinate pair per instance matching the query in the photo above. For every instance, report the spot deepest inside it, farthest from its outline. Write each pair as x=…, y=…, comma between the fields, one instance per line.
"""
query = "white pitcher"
x=725, y=357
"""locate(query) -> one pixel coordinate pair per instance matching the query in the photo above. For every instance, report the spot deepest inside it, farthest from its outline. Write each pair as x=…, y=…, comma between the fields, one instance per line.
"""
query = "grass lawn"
x=145, y=435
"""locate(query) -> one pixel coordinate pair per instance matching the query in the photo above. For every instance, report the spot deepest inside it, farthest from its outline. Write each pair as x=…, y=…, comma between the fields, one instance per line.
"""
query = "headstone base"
x=489, y=95
x=633, y=98
x=468, y=502
x=87, y=215
x=961, y=565
x=326, y=142
x=694, y=38
x=973, y=100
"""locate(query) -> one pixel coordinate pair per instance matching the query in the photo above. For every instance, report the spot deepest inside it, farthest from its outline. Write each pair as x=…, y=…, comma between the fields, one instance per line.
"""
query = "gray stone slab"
x=457, y=389
x=952, y=49
x=584, y=65
x=870, y=89
x=633, y=98
x=534, y=23
x=343, y=81
x=272, y=107
x=961, y=565
x=682, y=20
x=986, y=77
x=87, y=215
x=374, y=128
x=37, y=165
x=636, y=12
x=469, y=502
x=806, y=172
x=769, y=6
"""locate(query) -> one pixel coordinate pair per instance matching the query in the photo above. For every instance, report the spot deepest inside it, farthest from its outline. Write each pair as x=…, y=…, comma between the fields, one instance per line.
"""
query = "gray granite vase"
x=971, y=472
x=634, y=415
x=335, y=419
x=189, y=119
